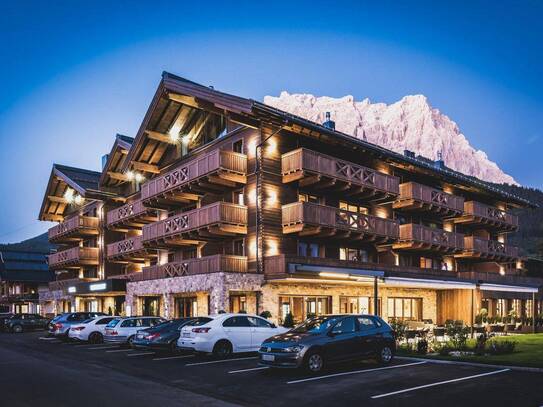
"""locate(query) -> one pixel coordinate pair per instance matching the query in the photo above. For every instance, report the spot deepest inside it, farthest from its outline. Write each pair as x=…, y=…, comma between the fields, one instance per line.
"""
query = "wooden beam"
x=117, y=175
x=53, y=218
x=162, y=137
x=145, y=167
x=58, y=199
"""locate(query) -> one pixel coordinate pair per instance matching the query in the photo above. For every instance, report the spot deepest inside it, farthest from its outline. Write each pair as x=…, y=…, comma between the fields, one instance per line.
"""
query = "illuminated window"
x=347, y=206
x=301, y=306
x=346, y=253
x=309, y=198
x=405, y=309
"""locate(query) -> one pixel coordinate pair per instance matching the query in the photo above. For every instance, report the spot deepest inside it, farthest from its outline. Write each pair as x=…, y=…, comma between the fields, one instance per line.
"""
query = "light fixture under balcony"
x=72, y=198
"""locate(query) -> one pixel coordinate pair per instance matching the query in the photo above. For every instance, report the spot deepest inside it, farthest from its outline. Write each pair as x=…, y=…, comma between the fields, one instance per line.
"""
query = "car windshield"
x=315, y=325
x=113, y=323
x=55, y=319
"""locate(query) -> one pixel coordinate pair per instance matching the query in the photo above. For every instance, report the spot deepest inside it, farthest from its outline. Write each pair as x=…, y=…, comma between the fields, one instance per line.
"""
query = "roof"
x=24, y=266
x=111, y=174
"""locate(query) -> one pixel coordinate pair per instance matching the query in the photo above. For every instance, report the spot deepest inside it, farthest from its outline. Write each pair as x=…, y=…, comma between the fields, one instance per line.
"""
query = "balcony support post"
x=375, y=296
x=472, y=314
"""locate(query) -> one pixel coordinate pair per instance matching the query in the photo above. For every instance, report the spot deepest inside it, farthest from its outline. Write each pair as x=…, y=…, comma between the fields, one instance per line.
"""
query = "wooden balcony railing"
x=220, y=219
x=314, y=219
x=476, y=247
x=74, y=257
x=219, y=167
x=131, y=214
x=482, y=214
x=131, y=247
x=414, y=196
x=419, y=237
x=74, y=228
x=311, y=168
x=202, y=265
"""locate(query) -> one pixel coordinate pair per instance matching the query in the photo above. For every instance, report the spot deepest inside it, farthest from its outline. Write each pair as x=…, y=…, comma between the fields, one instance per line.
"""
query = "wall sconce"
x=251, y=148
x=251, y=195
x=273, y=249
x=272, y=198
x=271, y=148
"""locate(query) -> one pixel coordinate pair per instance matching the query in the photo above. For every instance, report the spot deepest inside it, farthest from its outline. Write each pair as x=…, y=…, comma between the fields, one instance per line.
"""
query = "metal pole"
x=533, y=313
x=472, y=312
x=375, y=297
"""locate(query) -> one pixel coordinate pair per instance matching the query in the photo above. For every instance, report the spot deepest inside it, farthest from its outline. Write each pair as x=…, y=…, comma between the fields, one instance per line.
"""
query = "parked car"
x=327, y=339
x=3, y=318
x=61, y=324
x=164, y=336
x=25, y=322
x=91, y=330
x=123, y=330
x=228, y=333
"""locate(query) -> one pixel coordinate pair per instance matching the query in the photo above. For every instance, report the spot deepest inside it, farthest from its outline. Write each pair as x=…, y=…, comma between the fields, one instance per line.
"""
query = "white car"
x=228, y=333
x=91, y=330
x=123, y=330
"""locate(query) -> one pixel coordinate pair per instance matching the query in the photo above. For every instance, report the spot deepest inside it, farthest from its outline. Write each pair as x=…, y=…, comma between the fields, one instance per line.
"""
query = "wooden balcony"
x=202, y=265
x=73, y=229
x=132, y=215
x=74, y=257
x=309, y=219
x=479, y=214
x=423, y=238
x=129, y=250
x=418, y=197
x=211, y=172
x=479, y=248
x=322, y=172
x=215, y=221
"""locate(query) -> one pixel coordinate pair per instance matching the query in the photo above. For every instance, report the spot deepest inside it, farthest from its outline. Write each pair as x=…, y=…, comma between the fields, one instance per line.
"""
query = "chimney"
x=439, y=163
x=104, y=160
x=329, y=123
x=409, y=153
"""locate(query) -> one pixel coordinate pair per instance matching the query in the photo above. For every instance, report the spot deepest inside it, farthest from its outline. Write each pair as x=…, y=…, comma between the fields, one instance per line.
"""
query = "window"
x=301, y=306
x=103, y=321
x=345, y=326
x=186, y=307
x=406, y=309
x=346, y=253
x=260, y=323
x=236, y=322
x=308, y=249
x=237, y=146
x=238, y=303
x=347, y=206
x=238, y=248
x=528, y=308
x=238, y=197
x=365, y=323
x=501, y=307
x=129, y=323
x=303, y=197
x=430, y=263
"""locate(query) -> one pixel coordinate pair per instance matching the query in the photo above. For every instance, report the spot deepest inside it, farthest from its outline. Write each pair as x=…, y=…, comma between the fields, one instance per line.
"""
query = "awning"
x=338, y=272
x=508, y=288
x=110, y=286
x=428, y=283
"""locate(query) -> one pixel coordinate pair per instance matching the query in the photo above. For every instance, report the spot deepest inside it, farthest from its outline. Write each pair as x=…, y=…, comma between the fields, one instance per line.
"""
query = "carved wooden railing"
x=216, y=213
x=327, y=216
x=308, y=160
x=202, y=265
x=431, y=196
x=73, y=224
x=489, y=247
x=73, y=255
x=126, y=212
x=216, y=160
x=436, y=237
x=490, y=213
x=126, y=246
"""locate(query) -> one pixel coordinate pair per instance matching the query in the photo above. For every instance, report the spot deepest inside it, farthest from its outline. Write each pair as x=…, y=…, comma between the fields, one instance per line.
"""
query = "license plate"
x=186, y=334
x=268, y=358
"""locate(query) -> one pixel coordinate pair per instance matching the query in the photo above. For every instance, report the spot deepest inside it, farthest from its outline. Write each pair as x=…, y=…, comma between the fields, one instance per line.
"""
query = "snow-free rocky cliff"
x=410, y=124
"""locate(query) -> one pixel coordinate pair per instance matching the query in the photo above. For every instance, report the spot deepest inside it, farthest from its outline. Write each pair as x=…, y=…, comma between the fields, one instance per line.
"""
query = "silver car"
x=60, y=325
x=123, y=330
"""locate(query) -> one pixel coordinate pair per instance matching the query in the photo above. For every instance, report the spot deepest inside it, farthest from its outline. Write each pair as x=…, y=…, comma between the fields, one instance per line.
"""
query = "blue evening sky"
x=72, y=75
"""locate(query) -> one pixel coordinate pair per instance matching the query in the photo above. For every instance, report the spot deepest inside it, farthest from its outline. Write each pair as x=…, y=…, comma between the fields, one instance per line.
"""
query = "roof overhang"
x=508, y=288
x=113, y=286
x=112, y=174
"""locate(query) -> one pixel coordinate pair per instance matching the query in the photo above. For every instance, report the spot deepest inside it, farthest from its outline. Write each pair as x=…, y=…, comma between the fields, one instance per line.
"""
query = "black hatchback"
x=25, y=322
x=327, y=339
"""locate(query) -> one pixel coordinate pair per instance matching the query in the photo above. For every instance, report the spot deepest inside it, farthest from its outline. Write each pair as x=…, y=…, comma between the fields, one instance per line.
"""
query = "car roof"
x=225, y=315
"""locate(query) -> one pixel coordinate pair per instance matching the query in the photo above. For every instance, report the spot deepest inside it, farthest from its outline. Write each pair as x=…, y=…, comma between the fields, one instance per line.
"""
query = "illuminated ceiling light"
x=139, y=177
x=78, y=199
x=130, y=175
x=174, y=137
x=69, y=195
x=185, y=139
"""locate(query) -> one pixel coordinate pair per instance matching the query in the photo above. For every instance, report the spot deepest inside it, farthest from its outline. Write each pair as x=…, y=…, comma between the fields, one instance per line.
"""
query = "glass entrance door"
x=186, y=307
x=151, y=306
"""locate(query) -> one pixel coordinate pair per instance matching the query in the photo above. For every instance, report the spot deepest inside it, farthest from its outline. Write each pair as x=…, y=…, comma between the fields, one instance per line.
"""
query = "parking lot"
x=37, y=370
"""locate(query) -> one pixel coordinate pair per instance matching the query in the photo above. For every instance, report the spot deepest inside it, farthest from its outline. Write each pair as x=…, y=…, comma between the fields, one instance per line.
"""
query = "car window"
x=198, y=322
x=113, y=323
x=237, y=322
x=259, y=322
x=315, y=325
x=365, y=323
x=346, y=325
x=129, y=323
x=103, y=321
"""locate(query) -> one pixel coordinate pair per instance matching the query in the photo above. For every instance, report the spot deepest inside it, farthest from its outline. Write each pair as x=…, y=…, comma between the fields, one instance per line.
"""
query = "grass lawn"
x=528, y=352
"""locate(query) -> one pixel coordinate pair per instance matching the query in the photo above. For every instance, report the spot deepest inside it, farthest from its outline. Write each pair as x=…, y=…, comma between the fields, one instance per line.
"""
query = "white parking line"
x=119, y=350
x=141, y=354
x=355, y=372
x=219, y=361
x=248, y=370
x=103, y=347
x=174, y=357
x=439, y=383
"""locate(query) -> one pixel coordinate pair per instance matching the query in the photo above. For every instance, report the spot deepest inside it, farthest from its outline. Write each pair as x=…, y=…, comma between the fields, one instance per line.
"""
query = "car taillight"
x=113, y=333
x=152, y=336
x=200, y=330
x=58, y=326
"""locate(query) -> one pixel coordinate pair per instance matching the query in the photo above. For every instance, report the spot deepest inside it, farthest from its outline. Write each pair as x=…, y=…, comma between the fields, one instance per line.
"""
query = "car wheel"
x=96, y=337
x=314, y=362
x=385, y=355
x=17, y=329
x=222, y=349
x=130, y=341
x=172, y=347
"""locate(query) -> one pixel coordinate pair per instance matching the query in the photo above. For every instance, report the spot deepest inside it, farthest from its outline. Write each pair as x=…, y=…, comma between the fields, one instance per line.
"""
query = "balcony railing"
x=320, y=219
x=419, y=237
x=221, y=168
x=312, y=168
x=131, y=214
x=127, y=248
x=216, y=220
x=488, y=249
x=414, y=196
x=74, y=228
x=481, y=214
x=202, y=265
x=74, y=257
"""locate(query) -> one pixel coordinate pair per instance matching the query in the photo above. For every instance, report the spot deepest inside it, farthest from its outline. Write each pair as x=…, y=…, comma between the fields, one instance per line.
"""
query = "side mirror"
x=273, y=326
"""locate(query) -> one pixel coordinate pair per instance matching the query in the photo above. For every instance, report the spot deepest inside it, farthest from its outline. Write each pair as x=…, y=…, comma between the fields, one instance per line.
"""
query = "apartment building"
x=224, y=203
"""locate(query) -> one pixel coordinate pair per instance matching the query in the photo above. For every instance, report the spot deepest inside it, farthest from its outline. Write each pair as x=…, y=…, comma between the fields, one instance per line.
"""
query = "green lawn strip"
x=528, y=352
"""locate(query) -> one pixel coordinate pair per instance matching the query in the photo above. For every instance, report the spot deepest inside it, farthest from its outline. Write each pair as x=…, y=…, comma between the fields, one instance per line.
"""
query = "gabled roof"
x=111, y=173
x=83, y=182
x=24, y=266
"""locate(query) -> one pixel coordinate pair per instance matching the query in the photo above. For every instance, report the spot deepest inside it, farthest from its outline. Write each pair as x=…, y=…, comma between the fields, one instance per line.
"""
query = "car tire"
x=17, y=329
x=314, y=362
x=95, y=338
x=130, y=341
x=222, y=349
x=385, y=356
x=172, y=347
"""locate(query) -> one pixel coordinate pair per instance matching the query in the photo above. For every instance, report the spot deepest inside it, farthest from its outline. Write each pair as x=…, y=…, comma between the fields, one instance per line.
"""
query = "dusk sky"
x=73, y=77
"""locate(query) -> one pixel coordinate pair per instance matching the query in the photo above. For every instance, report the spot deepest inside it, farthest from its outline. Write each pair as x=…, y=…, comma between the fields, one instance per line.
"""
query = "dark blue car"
x=328, y=339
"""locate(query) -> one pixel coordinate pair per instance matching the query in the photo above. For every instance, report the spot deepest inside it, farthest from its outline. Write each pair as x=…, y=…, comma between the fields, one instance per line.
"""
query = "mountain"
x=409, y=124
x=38, y=243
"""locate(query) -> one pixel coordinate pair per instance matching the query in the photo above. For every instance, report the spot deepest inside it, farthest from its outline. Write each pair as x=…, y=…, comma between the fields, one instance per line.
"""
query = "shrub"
x=422, y=347
x=458, y=333
x=444, y=349
x=399, y=327
x=480, y=345
x=266, y=314
x=289, y=321
x=500, y=347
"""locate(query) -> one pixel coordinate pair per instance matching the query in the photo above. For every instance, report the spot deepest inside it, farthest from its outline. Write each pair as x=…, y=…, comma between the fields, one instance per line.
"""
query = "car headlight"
x=293, y=349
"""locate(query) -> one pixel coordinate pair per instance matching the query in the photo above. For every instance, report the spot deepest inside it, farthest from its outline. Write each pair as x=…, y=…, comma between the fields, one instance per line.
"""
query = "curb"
x=455, y=362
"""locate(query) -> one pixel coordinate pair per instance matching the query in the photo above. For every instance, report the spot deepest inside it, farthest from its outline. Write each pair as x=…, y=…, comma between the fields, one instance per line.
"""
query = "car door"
x=342, y=340
x=261, y=331
x=238, y=331
x=368, y=335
